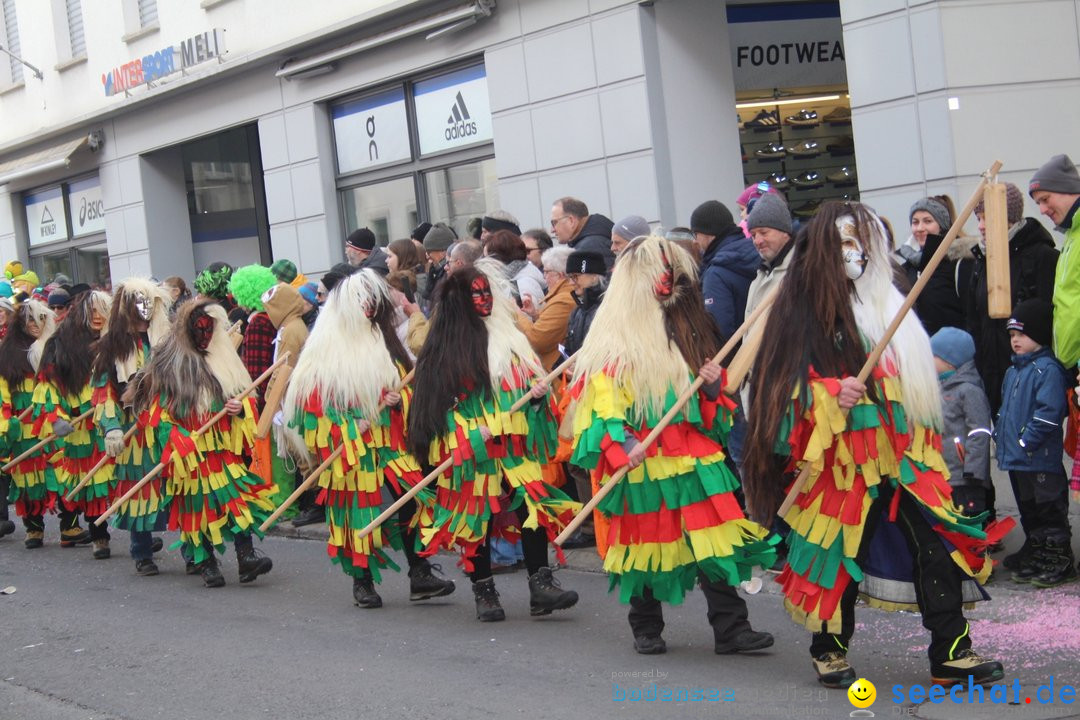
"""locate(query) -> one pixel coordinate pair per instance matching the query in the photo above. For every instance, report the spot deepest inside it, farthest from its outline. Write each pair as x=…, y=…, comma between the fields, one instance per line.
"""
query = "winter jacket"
x=434, y=276
x=1032, y=260
x=967, y=419
x=767, y=279
x=729, y=265
x=377, y=261
x=939, y=304
x=285, y=308
x=549, y=329
x=582, y=316
x=595, y=236
x=1067, y=294
x=1033, y=407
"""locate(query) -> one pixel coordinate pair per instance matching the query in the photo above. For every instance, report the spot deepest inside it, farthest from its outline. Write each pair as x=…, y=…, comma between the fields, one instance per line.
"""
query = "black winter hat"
x=585, y=262
x=1034, y=318
x=712, y=218
x=362, y=239
x=420, y=231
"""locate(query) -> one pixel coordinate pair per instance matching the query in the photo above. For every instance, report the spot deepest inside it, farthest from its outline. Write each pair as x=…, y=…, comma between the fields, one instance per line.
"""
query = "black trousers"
x=534, y=546
x=938, y=583
x=727, y=612
x=1043, y=501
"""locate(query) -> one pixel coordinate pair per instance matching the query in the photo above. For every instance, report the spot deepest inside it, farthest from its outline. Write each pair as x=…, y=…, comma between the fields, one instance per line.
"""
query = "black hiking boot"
x=424, y=584
x=545, y=594
x=488, y=608
x=363, y=592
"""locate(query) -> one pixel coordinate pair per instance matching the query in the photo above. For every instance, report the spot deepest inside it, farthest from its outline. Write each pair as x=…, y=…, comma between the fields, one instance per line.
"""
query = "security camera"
x=95, y=140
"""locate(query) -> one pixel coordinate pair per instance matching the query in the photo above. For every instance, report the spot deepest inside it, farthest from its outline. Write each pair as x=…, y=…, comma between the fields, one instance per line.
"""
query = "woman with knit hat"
x=939, y=304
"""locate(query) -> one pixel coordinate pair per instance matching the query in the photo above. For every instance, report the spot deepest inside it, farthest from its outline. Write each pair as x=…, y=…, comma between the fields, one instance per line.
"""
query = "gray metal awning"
x=50, y=158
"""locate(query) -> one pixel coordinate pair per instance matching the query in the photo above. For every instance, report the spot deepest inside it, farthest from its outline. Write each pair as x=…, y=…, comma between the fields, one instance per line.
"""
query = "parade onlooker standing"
x=574, y=226
x=546, y=326
x=536, y=243
x=729, y=264
x=627, y=229
x=938, y=305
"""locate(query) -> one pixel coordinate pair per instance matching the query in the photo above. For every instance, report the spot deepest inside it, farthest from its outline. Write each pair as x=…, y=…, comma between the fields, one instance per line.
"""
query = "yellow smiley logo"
x=862, y=693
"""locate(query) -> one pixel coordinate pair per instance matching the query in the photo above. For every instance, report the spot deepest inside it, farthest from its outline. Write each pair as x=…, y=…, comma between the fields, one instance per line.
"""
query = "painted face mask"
x=851, y=248
x=481, y=296
x=33, y=328
x=142, y=306
x=97, y=321
x=202, y=331
x=666, y=284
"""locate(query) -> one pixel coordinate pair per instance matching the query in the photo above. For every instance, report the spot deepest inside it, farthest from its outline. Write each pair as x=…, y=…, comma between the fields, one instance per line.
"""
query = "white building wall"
x=1012, y=69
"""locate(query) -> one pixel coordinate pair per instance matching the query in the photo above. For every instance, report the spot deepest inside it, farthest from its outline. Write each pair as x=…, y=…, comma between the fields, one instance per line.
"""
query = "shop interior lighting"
x=436, y=25
x=786, y=101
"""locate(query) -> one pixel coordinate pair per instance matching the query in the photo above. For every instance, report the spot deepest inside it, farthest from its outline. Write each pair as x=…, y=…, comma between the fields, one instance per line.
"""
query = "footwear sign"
x=776, y=45
x=453, y=110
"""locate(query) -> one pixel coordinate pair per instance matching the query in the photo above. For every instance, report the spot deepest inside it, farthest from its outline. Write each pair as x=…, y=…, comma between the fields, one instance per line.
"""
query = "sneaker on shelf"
x=839, y=116
x=806, y=149
x=745, y=157
x=807, y=209
x=842, y=146
x=966, y=663
x=772, y=151
x=764, y=120
x=833, y=670
x=803, y=118
x=843, y=176
x=808, y=180
x=779, y=181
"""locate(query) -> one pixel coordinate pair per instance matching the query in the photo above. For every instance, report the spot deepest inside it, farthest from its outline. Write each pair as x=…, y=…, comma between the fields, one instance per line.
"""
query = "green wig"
x=214, y=280
x=249, y=283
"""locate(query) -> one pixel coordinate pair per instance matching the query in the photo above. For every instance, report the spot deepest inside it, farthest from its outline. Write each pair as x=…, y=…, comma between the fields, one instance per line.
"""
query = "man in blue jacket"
x=729, y=264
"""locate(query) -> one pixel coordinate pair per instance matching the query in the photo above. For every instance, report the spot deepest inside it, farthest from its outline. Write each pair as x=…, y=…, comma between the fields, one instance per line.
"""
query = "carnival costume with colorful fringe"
x=76, y=451
x=676, y=513
x=34, y=489
x=889, y=436
x=471, y=494
x=213, y=497
x=325, y=405
x=123, y=352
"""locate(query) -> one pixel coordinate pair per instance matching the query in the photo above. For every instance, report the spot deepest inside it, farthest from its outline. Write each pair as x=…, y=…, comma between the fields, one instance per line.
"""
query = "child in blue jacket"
x=1030, y=447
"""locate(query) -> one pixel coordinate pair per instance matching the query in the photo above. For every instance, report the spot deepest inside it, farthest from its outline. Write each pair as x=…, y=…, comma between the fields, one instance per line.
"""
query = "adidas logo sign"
x=460, y=124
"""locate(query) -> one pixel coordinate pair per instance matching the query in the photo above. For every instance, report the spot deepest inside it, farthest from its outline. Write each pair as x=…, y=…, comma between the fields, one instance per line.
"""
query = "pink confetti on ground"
x=1031, y=628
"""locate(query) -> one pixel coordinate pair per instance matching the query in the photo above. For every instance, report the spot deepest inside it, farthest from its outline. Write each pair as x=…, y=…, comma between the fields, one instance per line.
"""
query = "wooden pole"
x=740, y=365
x=235, y=335
x=607, y=487
x=274, y=395
x=909, y=302
x=100, y=464
x=205, y=426
x=446, y=464
x=42, y=443
x=998, y=280
x=22, y=416
x=313, y=476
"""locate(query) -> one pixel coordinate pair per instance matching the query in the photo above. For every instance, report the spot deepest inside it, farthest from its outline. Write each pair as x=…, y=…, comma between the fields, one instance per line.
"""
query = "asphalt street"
x=90, y=639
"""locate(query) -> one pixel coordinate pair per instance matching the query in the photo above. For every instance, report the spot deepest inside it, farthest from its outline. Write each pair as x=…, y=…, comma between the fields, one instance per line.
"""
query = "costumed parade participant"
x=213, y=497
x=675, y=520
x=64, y=392
x=333, y=400
x=138, y=322
x=875, y=514
x=33, y=482
x=473, y=367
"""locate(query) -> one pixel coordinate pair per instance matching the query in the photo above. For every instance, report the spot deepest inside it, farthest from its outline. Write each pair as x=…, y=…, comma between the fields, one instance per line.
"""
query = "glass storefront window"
x=49, y=265
x=461, y=192
x=388, y=208
x=93, y=266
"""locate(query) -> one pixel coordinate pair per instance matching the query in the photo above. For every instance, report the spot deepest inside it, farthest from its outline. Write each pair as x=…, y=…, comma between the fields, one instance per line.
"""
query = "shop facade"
x=246, y=132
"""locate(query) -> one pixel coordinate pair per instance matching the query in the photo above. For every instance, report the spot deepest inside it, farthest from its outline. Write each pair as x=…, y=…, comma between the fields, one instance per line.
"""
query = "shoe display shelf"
x=808, y=159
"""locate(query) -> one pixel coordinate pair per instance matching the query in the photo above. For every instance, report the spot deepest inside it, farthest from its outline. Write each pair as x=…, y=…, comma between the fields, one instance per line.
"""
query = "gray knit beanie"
x=631, y=227
x=936, y=210
x=770, y=211
x=1057, y=175
x=439, y=238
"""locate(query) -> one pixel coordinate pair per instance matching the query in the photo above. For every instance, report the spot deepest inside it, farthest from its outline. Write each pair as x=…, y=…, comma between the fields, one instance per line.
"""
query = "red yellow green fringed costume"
x=33, y=489
x=352, y=486
x=213, y=496
x=76, y=450
x=850, y=457
x=140, y=455
x=471, y=492
x=676, y=513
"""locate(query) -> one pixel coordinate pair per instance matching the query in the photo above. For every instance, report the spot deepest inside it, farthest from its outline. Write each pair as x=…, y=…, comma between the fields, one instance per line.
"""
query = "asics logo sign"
x=460, y=124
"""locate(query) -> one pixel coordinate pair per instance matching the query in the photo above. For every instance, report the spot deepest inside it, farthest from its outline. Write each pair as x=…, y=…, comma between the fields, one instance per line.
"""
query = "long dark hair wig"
x=689, y=325
x=453, y=360
x=121, y=339
x=385, y=318
x=14, y=350
x=811, y=324
x=66, y=359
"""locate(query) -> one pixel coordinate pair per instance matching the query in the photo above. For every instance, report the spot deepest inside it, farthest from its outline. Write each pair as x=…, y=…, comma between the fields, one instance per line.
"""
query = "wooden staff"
x=273, y=401
x=100, y=464
x=206, y=426
x=23, y=415
x=446, y=464
x=998, y=281
x=607, y=487
x=323, y=467
x=740, y=365
x=909, y=302
x=42, y=443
